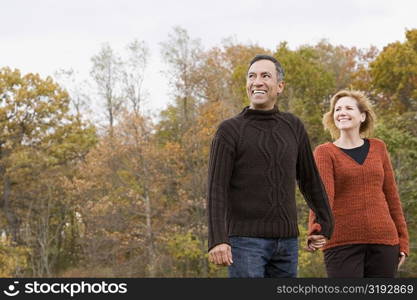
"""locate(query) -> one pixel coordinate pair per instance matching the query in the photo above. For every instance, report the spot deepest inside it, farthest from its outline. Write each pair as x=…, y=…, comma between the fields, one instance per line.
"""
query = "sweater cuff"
x=315, y=228
x=213, y=244
x=405, y=250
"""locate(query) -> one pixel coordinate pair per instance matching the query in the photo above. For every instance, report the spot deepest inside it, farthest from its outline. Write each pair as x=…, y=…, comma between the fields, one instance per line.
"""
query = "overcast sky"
x=42, y=36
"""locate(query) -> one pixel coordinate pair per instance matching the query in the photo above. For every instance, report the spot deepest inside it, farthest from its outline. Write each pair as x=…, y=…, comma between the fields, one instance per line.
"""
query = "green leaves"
x=394, y=73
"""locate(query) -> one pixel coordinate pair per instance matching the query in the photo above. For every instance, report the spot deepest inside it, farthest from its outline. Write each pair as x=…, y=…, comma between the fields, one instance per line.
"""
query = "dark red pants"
x=362, y=260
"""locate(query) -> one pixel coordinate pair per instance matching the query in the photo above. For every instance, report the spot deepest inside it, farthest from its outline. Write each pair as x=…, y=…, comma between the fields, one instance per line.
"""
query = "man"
x=256, y=158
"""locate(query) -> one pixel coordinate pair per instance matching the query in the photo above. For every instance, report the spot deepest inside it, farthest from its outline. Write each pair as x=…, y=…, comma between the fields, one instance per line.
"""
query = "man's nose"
x=258, y=81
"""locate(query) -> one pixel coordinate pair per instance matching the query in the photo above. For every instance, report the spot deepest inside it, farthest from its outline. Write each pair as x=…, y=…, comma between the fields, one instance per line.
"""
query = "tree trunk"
x=149, y=237
x=12, y=220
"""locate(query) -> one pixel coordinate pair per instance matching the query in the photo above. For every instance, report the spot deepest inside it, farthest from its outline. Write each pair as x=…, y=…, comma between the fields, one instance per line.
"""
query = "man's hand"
x=315, y=242
x=221, y=255
x=401, y=259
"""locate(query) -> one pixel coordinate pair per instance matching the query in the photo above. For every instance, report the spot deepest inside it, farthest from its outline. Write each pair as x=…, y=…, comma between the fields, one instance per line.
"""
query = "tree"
x=182, y=54
x=106, y=72
x=394, y=74
x=29, y=107
x=134, y=73
x=309, y=84
x=348, y=66
x=77, y=90
x=38, y=137
x=121, y=201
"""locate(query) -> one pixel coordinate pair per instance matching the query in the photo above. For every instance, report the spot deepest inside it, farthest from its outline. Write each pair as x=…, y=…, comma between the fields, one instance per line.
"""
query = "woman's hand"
x=315, y=242
x=401, y=259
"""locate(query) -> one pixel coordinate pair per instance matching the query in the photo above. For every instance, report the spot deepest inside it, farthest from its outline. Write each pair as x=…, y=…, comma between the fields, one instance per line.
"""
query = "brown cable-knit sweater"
x=364, y=198
x=255, y=160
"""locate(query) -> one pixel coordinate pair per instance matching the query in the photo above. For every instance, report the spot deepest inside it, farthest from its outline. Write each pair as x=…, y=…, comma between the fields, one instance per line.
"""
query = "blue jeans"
x=263, y=257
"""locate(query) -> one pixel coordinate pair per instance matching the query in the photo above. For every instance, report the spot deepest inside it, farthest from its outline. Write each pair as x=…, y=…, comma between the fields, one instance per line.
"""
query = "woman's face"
x=347, y=115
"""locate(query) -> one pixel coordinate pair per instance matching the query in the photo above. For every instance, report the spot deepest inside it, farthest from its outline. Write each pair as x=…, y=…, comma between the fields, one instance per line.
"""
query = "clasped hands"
x=315, y=242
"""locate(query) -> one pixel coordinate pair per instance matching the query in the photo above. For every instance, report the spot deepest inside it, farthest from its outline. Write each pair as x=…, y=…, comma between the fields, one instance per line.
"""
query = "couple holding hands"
x=256, y=159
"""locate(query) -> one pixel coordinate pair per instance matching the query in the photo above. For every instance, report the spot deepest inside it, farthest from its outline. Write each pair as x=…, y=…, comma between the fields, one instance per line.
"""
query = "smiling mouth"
x=258, y=92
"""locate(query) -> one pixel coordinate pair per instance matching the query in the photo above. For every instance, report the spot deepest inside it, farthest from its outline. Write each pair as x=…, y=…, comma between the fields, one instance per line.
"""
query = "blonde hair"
x=364, y=105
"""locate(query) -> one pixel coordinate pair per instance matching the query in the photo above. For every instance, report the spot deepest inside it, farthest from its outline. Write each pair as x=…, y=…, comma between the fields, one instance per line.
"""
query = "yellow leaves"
x=411, y=36
x=173, y=151
x=69, y=141
x=185, y=246
x=13, y=258
x=31, y=108
x=9, y=80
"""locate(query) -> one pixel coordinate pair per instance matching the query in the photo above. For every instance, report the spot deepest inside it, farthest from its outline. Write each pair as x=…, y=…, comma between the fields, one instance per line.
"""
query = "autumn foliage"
x=126, y=196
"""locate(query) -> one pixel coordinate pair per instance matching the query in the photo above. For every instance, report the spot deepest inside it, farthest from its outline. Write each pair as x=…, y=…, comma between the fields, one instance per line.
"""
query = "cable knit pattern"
x=255, y=160
x=364, y=198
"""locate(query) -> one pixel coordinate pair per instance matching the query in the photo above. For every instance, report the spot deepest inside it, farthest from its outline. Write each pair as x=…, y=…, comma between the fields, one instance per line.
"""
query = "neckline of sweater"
x=260, y=114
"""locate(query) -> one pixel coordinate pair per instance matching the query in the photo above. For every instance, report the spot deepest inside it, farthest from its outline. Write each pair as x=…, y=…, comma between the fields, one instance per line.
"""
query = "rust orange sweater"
x=364, y=198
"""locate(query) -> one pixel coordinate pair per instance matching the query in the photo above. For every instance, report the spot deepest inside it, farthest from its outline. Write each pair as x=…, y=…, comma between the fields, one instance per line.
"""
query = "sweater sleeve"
x=325, y=166
x=220, y=170
x=312, y=187
x=393, y=199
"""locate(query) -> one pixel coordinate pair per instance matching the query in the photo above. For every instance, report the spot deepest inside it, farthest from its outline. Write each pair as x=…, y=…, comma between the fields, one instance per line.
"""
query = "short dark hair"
x=278, y=67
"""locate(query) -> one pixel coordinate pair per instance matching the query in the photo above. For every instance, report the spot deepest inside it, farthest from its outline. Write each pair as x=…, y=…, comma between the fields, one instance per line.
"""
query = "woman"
x=370, y=238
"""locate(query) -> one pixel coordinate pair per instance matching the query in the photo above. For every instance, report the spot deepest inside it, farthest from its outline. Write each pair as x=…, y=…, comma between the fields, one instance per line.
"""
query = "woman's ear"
x=363, y=117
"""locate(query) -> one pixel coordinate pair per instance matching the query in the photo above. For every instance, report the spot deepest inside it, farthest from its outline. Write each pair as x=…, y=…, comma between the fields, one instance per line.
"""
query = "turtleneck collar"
x=260, y=114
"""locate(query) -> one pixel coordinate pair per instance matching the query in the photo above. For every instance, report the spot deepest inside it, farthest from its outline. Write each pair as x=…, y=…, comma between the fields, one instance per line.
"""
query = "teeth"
x=259, y=92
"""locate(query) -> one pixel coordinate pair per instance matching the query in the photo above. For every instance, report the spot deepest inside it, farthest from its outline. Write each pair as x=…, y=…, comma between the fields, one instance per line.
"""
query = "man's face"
x=262, y=84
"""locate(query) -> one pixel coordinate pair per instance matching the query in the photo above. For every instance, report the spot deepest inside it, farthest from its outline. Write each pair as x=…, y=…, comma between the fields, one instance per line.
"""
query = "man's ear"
x=281, y=86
